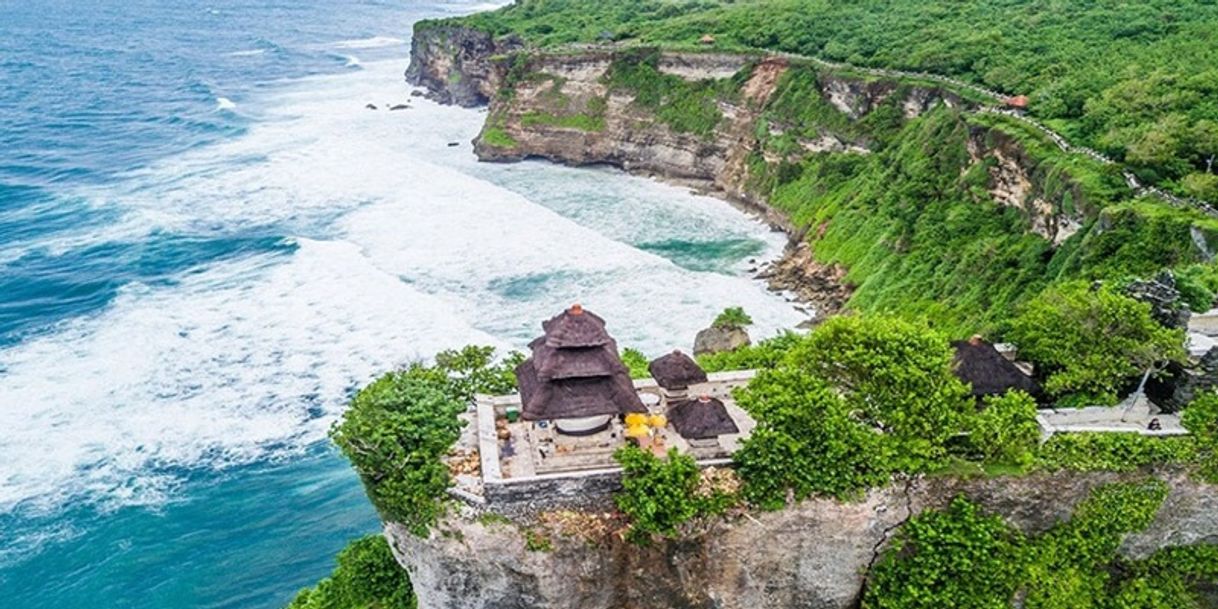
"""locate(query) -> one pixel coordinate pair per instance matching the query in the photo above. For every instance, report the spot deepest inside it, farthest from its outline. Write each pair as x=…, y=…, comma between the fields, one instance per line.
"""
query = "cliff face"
x=459, y=65
x=565, y=111
x=815, y=554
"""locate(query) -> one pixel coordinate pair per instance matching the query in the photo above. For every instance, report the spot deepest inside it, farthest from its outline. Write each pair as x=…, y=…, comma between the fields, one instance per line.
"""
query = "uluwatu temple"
x=577, y=405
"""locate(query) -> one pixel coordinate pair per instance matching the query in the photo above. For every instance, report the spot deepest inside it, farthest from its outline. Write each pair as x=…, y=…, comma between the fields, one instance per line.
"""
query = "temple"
x=575, y=376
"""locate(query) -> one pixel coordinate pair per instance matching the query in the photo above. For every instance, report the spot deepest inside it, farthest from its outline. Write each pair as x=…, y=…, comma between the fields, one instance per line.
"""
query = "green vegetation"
x=367, y=577
x=1088, y=341
x=764, y=354
x=857, y=400
x=1006, y=431
x=686, y=107
x=961, y=558
x=863, y=398
x=1113, y=452
x=537, y=542
x=636, y=362
x=1201, y=418
x=660, y=496
x=396, y=430
x=498, y=137
x=1145, y=102
x=733, y=317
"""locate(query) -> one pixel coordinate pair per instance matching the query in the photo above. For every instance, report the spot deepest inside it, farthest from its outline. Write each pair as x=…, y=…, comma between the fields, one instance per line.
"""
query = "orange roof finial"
x=576, y=309
x=704, y=398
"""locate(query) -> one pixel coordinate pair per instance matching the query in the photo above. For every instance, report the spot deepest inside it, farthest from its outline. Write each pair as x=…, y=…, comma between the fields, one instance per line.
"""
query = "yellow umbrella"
x=657, y=421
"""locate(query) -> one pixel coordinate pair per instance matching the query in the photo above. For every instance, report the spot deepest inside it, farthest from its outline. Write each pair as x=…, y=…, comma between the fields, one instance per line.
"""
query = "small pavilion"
x=675, y=373
x=701, y=421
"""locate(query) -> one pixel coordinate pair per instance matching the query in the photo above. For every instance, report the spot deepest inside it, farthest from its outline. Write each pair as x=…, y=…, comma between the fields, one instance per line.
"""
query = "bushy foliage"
x=366, y=577
x=1201, y=418
x=733, y=317
x=1006, y=431
x=896, y=376
x=1144, y=101
x=962, y=558
x=857, y=399
x=1113, y=451
x=806, y=442
x=636, y=362
x=1090, y=341
x=764, y=354
x=957, y=558
x=661, y=495
x=397, y=428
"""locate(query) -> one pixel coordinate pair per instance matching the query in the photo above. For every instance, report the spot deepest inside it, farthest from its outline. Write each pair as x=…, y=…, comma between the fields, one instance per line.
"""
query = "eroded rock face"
x=459, y=65
x=814, y=554
x=1015, y=181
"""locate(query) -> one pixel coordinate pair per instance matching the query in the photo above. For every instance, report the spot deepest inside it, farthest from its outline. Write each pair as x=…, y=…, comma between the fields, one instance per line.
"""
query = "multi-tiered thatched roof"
x=575, y=371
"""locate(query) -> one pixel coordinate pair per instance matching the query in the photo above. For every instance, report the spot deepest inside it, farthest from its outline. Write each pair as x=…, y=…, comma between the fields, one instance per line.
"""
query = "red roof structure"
x=1018, y=101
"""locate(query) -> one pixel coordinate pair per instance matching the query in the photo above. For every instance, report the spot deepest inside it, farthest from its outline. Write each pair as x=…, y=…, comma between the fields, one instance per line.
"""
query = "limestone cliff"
x=814, y=554
x=459, y=65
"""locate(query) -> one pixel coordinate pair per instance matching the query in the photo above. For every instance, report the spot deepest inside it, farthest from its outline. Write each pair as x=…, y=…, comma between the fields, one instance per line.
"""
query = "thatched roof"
x=575, y=327
x=676, y=371
x=978, y=363
x=576, y=362
x=701, y=418
x=575, y=397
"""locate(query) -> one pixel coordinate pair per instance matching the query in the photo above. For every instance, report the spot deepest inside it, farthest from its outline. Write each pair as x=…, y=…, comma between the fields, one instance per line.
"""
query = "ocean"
x=208, y=242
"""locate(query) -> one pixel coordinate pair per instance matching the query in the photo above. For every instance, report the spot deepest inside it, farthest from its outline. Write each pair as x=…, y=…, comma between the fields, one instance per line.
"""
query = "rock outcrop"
x=813, y=554
x=459, y=65
x=720, y=339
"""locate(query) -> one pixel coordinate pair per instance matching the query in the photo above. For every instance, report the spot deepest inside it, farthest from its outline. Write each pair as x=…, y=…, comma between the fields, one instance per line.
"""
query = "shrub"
x=1006, y=431
x=1112, y=451
x=636, y=362
x=366, y=577
x=1089, y=342
x=896, y=376
x=733, y=317
x=806, y=441
x=964, y=559
x=397, y=429
x=1201, y=418
x=957, y=558
x=765, y=354
x=661, y=495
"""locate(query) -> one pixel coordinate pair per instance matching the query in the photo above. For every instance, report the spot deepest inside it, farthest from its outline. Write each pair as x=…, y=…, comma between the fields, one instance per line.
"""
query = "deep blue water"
x=207, y=243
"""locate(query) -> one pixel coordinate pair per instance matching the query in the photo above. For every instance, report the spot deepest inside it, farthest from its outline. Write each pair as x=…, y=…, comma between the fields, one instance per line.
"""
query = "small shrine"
x=675, y=373
x=701, y=421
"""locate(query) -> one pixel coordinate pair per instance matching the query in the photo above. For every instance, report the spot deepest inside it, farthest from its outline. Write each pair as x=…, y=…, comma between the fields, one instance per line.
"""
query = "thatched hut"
x=704, y=418
x=575, y=376
x=979, y=364
x=675, y=372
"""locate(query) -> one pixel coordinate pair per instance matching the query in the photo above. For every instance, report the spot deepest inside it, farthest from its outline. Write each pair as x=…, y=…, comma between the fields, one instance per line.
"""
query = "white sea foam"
x=368, y=43
x=249, y=53
x=352, y=61
x=224, y=103
x=405, y=246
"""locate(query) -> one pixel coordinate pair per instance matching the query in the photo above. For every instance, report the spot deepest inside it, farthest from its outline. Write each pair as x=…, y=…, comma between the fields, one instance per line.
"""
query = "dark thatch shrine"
x=701, y=419
x=676, y=371
x=978, y=363
x=575, y=372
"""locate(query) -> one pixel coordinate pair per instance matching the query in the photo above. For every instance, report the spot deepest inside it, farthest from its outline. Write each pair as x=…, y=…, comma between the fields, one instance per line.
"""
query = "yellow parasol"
x=636, y=419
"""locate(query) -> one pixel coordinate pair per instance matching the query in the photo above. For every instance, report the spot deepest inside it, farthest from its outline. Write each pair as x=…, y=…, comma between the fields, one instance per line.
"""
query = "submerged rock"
x=399, y=107
x=370, y=106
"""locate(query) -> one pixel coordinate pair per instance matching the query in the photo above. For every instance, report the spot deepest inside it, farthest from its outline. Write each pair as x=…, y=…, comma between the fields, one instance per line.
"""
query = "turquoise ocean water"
x=207, y=242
